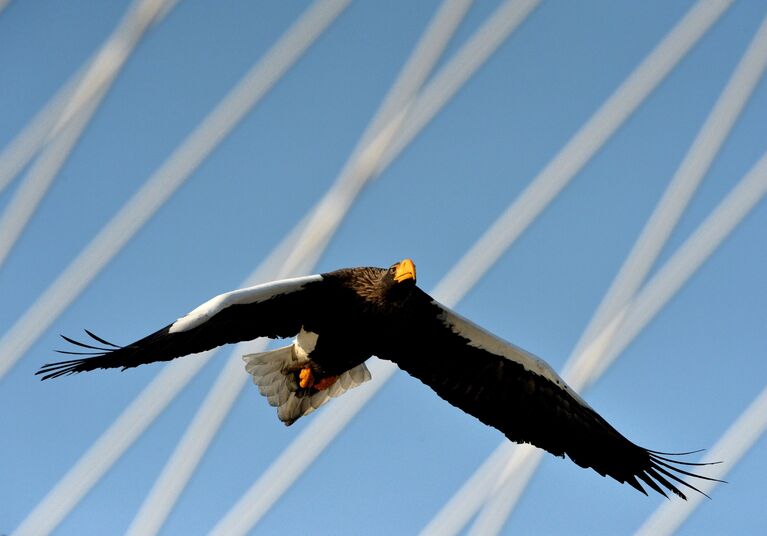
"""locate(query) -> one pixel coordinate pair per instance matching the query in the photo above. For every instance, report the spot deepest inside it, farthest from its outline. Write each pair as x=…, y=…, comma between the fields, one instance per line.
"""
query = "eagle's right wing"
x=275, y=309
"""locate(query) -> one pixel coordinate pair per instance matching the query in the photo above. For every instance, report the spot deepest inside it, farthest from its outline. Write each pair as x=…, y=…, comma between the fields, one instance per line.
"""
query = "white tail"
x=272, y=374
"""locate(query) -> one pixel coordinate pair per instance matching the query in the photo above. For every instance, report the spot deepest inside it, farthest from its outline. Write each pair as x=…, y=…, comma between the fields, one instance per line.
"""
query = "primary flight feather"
x=340, y=319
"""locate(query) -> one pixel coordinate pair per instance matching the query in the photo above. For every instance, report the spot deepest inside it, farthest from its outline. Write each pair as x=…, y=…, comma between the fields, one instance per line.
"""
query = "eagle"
x=340, y=319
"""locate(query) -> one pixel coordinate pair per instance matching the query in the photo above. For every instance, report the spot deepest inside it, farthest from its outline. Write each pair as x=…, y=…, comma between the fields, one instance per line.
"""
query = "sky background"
x=677, y=387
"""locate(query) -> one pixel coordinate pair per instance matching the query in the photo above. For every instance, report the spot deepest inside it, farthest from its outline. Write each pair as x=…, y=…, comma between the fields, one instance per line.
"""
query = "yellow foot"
x=306, y=378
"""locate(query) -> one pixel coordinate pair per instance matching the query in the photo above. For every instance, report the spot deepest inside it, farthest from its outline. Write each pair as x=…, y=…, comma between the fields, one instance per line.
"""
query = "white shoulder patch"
x=481, y=338
x=255, y=294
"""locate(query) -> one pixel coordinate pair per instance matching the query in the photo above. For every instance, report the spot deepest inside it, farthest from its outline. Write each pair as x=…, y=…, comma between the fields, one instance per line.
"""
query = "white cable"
x=157, y=395
x=304, y=449
x=74, y=114
x=101, y=455
x=626, y=326
x=322, y=429
x=322, y=225
x=28, y=142
x=381, y=136
x=112, y=56
x=384, y=128
x=739, y=438
x=82, y=87
x=594, y=353
x=685, y=181
x=484, y=42
x=165, y=181
x=444, y=85
x=198, y=435
x=592, y=136
x=40, y=176
x=457, y=512
x=582, y=368
x=284, y=470
x=133, y=432
x=688, y=258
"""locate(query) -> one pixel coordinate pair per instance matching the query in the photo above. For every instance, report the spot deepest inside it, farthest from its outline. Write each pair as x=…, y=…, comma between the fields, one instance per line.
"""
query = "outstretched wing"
x=275, y=309
x=519, y=394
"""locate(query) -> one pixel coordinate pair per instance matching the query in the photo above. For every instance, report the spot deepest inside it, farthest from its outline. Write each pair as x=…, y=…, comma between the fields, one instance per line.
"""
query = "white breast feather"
x=304, y=344
x=255, y=294
x=480, y=338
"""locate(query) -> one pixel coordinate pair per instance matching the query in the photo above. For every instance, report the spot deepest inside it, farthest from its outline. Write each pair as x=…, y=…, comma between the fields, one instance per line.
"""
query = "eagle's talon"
x=305, y=378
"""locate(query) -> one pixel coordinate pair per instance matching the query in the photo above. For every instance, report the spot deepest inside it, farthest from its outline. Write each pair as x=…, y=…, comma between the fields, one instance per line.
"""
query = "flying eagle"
x=342, y=318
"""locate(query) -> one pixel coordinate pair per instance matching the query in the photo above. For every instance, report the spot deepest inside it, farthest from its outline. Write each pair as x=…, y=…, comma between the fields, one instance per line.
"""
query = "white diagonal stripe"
x=731, y=447
x=67, y=493
x=165, y=181
x=82, y=87
x=470, y=497
x=322, y=429
x=323, y=222
x=630, y=321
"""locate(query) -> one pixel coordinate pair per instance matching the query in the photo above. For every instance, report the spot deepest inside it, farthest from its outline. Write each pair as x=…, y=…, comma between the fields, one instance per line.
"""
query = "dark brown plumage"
x=342, y=318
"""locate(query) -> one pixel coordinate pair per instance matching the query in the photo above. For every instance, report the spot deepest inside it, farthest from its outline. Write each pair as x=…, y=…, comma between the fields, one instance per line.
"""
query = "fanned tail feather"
x=273, y=373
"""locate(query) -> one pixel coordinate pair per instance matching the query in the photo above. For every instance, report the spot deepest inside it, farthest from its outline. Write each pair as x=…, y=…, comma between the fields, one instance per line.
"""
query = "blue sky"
x=677, y=387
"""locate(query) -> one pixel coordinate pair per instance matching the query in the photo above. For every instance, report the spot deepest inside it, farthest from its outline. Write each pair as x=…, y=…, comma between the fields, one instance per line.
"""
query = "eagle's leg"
x=307, y=380
x=325, y=382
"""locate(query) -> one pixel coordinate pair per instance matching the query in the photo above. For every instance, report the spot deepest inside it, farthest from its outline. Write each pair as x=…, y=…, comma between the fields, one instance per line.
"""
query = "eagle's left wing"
x=519, y=394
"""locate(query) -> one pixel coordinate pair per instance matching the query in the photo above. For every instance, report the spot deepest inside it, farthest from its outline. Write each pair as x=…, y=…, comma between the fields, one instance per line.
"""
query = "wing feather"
x=520, y=395
x=275, y=309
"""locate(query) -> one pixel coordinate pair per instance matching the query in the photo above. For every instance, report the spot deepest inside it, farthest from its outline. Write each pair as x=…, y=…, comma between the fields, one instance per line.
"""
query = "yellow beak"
x=405, y=271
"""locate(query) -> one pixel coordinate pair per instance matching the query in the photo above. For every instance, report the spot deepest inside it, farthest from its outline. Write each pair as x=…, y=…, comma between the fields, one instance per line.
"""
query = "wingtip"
x=670, y=468
x=60, y=368
x=100, y=339
x=49, y=374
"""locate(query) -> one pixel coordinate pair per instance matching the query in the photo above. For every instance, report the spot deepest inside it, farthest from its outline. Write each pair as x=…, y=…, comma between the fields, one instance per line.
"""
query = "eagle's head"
x=381, y=286
x=396, y=283
x=400, y=274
